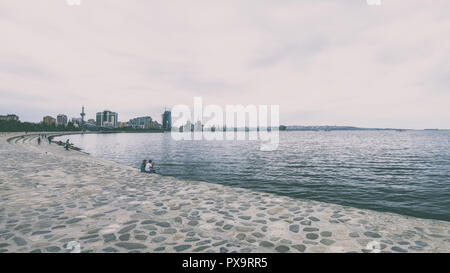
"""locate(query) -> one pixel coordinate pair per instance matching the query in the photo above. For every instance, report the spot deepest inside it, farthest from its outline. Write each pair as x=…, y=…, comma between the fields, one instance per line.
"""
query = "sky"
x=324, y=62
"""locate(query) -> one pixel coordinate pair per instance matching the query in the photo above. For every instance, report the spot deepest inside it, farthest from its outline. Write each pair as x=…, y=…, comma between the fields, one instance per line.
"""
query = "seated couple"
x=148, y=167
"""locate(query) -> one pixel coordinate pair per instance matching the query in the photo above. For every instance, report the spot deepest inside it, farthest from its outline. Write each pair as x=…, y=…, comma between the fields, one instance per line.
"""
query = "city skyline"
x=137, y=121
x=324, y=63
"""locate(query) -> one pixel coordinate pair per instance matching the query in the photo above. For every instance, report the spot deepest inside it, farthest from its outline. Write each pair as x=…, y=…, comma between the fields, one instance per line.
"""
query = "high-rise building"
x=61, y=120
x=167, y=120
x=141, y=122
x=49, y=121
x=107, y=119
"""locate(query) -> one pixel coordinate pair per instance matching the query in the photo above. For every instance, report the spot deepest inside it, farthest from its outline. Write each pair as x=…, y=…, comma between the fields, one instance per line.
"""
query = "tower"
x=82, y=114
x=167, y=120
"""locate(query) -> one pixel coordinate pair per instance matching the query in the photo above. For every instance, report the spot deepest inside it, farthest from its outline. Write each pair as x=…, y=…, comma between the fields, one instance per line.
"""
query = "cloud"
x=323, y=62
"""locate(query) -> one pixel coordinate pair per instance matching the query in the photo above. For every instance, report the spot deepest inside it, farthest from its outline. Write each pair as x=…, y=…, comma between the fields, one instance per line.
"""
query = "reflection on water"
x=402, y=172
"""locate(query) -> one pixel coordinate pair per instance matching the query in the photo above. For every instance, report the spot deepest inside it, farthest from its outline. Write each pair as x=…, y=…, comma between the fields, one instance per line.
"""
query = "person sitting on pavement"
x=148, y=166
x=143, y=165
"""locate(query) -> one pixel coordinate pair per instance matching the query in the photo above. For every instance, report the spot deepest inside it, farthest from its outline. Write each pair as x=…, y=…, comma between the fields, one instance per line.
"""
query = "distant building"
x=107, y=119
x=9, y=117
x=61, y=120
x=91, y=121
x=82, y=114
x=123, y=124
x=155, y=125
x=49, y=121
x=77, y=121
x=198, y=126
x=167, y=120
x=141, y=122
x=108, y=124
x=188, y=126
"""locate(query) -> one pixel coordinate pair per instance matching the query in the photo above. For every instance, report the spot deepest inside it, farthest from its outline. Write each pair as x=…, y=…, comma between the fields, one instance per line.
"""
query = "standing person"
x=49, y=140
x=143, y=165
x=39, y=140
x=67, y=144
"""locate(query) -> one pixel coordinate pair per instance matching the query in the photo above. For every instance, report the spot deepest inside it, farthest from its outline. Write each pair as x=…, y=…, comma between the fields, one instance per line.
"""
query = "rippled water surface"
x=402, y=172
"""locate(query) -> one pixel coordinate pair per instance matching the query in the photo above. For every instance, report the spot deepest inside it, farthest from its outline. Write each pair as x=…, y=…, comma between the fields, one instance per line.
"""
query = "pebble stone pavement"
x=53, y=200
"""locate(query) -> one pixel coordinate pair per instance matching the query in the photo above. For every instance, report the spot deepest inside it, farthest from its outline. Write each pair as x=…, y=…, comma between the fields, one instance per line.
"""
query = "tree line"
x=18, y=126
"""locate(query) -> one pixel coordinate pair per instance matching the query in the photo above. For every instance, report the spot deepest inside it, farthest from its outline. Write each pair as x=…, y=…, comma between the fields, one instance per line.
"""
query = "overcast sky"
x=324, y=62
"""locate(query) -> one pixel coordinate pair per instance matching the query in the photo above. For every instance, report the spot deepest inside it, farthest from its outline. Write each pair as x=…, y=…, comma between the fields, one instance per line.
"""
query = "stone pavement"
x=53, y=200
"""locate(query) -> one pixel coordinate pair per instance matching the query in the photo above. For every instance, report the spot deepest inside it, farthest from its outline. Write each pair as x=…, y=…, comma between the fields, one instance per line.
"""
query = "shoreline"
x=108, y=207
